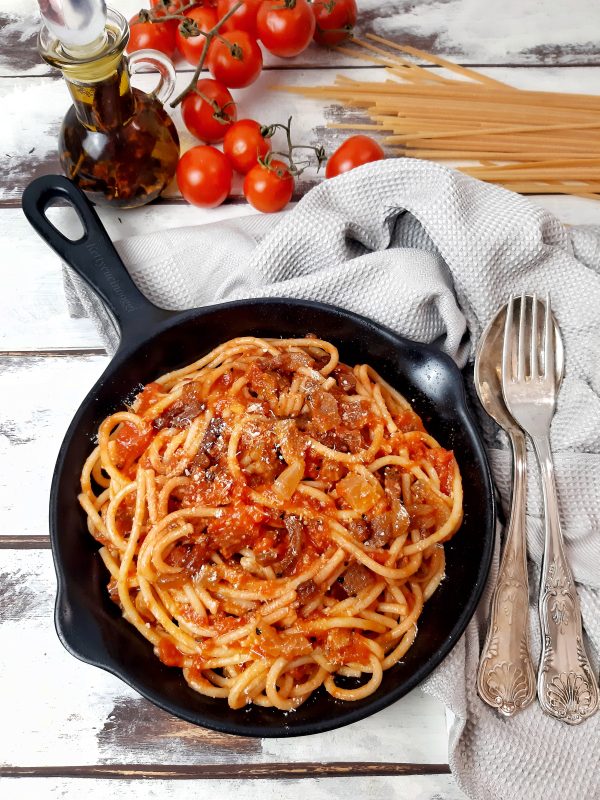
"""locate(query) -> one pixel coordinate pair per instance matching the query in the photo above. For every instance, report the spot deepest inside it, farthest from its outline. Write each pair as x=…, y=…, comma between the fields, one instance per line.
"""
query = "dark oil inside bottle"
x=118, y=143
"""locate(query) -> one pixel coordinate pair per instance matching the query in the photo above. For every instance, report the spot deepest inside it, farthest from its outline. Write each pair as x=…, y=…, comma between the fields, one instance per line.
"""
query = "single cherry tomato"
x=204, y=176
x=161, y=9
x=235, y=59
x=152, y=36
x=244, y=19
x=209, y=112
x=244, y=145
x=285, y=27
x=269, y=188
x=191, y=47
x=335, y=20
x=352, y=153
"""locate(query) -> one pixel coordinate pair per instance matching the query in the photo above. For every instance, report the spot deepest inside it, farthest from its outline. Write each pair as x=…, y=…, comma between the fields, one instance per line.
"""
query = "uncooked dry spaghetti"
x=272, y=520
x=529, y=141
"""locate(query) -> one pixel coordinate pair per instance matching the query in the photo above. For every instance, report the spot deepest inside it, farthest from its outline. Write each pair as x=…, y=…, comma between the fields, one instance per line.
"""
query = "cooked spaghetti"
x=272, y=520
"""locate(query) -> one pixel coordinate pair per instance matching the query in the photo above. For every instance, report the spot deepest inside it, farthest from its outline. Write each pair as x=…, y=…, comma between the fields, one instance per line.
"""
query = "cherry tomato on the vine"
x=235, y=59
x=352, y=153
x=204, y=176
x=208, y=112
x=152, y=36
x=244, y=19
x=269, y=188
x=243, y=145
x=191, y=47
x=335, y=20
x=285, y=27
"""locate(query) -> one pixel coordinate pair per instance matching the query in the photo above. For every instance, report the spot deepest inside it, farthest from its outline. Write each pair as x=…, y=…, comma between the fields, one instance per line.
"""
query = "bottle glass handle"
x=160, y=62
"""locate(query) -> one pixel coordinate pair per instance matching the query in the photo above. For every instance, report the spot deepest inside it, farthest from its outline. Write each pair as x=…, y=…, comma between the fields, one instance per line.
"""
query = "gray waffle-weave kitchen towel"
x=433, y=254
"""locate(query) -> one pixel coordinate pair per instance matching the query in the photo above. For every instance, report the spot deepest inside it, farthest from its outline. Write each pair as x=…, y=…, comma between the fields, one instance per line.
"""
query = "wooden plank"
x=39, y=397
x=32, y=304
x=421, y=787
x=112, y=725
x=512, y=32
x=76, y=703
x=33, y=109
x=19, y=23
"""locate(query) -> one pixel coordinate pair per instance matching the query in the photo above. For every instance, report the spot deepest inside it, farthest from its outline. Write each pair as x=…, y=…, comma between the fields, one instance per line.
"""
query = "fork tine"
x=549, y=367
x=507, y=371
x=534, y=339
x=522, y=340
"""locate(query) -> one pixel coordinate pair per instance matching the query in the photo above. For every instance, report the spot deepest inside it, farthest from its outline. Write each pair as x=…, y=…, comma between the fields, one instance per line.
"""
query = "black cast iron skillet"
x=153, y=342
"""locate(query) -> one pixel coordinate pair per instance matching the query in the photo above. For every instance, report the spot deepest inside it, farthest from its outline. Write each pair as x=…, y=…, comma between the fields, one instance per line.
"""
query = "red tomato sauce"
x=169, y=653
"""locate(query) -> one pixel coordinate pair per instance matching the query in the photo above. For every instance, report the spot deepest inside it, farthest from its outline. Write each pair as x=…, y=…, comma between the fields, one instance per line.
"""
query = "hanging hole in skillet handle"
x=66, y=220
x=92, y=255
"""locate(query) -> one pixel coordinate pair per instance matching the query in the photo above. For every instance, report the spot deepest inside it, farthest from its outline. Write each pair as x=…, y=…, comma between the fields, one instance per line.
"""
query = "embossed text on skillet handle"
x=567, y=688
x=506, y=679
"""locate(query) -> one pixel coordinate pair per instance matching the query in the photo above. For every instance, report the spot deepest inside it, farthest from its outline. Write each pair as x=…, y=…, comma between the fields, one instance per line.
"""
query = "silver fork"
x=567, y=688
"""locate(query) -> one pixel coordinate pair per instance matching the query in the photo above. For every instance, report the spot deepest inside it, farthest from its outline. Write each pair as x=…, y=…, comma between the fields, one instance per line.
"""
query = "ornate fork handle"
x=567, y=688
x=506, y=679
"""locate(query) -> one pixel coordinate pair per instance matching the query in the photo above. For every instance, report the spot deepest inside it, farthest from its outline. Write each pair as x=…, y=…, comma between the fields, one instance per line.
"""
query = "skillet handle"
x=92, y=256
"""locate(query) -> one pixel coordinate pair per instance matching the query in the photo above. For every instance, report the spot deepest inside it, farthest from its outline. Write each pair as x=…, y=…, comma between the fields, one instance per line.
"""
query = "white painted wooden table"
x=67, y=727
